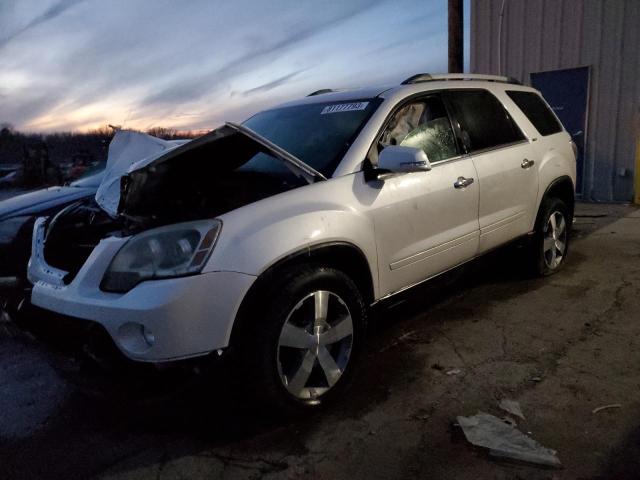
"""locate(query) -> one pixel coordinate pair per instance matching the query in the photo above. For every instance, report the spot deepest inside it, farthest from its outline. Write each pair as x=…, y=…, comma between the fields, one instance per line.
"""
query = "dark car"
x=17, y=216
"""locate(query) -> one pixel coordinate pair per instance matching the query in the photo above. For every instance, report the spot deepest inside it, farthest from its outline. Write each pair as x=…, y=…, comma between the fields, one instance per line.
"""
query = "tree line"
x=32, y=160
x=62, y=147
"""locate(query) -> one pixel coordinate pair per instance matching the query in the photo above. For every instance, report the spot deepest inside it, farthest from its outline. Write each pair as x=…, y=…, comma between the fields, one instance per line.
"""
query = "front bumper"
x=159, y=320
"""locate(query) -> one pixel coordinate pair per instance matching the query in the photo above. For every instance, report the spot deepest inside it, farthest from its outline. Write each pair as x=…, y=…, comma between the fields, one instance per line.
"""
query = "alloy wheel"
x=315, y=345
x=555, y=240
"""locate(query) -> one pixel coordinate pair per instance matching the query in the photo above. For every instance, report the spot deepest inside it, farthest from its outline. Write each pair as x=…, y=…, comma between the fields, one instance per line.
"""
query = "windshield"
x=319, y=134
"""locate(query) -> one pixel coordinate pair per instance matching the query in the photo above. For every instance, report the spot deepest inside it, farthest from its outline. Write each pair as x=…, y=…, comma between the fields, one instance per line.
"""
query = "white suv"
x=272, y=239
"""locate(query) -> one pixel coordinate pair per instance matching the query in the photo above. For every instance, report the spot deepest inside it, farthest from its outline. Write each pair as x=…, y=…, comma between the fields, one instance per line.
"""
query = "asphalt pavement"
x=562, y=347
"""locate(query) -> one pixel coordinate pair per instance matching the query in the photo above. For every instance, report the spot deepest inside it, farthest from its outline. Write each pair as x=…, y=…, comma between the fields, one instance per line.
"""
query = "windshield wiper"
x=310, y=174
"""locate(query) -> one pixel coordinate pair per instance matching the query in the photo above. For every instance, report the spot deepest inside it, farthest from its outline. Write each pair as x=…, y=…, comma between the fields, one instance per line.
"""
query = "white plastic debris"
x=502, y=440
x=512, y=407
x=606, y=407
x=455, y=371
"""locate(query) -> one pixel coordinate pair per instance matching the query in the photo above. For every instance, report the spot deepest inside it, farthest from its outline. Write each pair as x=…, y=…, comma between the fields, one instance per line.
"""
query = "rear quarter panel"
x=557, y=160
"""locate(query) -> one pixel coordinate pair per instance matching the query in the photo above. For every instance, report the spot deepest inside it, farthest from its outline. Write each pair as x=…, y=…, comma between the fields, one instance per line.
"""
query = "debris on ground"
x=406, y=337
x=512, y=407
x=606, y=407
x=509, y=421
x=422, y=418
x=503, y=440
x=455, y=371
x=423, y=413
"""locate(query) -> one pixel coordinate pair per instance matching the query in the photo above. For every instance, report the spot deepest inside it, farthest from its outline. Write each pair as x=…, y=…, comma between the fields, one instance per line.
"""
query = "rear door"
x=424, y=224
x=505, y=162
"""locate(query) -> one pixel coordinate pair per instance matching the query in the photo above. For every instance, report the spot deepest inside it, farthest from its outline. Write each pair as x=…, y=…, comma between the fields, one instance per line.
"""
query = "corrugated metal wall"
x=541, y=35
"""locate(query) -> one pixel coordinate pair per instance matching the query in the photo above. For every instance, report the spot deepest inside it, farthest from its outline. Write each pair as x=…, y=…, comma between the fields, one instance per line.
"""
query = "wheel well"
x=339, y=255
x=563, y=189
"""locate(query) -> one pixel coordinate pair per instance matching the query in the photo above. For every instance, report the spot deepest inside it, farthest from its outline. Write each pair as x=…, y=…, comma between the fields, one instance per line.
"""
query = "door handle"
x=526, y=163
x=463, y=182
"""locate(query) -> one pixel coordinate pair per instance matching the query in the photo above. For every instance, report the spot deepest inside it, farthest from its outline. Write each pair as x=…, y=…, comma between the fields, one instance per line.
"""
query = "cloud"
x=163, y=63
x=50, y=13
x=260, y=51
x=265, y=87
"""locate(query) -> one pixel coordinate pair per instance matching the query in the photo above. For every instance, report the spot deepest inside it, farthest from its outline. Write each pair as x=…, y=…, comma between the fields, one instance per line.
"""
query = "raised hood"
x=224, y=169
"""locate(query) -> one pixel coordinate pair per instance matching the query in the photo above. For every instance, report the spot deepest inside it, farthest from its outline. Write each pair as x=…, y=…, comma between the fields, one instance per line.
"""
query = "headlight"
x=9, y=228
x=165, y=252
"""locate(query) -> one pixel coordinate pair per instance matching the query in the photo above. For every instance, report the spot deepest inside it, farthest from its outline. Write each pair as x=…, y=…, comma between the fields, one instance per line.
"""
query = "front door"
x=567, y=92
x=424, y=223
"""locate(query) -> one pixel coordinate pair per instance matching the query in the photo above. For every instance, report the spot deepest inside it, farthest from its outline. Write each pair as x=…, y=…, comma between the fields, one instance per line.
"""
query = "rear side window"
x=484, y=119
x=536, y=111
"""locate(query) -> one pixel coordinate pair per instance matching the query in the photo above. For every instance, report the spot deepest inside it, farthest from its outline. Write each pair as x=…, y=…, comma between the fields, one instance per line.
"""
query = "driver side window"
x=422, y=124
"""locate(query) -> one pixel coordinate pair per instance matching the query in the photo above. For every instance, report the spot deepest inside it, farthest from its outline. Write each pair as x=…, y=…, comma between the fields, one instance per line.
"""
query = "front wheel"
x=551, y=239
x=300, y=350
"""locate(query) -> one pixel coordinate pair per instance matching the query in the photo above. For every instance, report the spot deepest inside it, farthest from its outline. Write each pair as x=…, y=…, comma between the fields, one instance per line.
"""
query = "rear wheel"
x=551, y=240
x=300, y=350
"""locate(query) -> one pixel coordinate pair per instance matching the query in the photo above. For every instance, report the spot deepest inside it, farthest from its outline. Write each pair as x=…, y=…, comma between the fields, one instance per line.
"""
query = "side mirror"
x=398, y=159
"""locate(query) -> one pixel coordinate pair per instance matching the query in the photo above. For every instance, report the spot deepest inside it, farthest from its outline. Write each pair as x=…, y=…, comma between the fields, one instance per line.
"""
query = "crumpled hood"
x=128, y=151
x=134, y=166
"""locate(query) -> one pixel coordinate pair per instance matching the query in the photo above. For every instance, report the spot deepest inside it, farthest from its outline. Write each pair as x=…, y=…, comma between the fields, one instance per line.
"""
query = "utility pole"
x=455, y=36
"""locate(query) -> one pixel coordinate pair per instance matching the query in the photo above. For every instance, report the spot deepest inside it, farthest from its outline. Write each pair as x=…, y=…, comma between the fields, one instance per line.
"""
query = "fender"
x=257, y=237
x=341, y=255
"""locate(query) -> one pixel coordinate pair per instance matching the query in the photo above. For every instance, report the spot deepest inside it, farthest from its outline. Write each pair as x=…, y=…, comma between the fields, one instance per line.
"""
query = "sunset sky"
x=80, y=64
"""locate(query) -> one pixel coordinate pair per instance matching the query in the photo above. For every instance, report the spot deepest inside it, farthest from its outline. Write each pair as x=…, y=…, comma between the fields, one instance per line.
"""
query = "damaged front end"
x=100, y=260
x=224, y=170
x=68, y=238
x=214, y=174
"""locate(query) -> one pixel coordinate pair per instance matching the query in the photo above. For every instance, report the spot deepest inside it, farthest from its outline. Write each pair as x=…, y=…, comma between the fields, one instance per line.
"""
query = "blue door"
x=567, y=91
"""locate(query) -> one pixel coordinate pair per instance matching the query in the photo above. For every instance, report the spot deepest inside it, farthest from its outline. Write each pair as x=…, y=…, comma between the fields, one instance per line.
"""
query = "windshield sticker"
x=344, y=107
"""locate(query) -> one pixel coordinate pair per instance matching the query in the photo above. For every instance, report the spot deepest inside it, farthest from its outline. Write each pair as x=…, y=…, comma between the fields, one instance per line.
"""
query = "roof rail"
x=427, y=77
x=320, y=92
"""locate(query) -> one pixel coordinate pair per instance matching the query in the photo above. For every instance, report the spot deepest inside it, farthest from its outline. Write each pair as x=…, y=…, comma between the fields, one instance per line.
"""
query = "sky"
x=82, y=64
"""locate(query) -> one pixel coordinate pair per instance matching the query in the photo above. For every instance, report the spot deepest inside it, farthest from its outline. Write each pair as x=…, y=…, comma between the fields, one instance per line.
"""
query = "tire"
x=288, y=369
x=550, y=244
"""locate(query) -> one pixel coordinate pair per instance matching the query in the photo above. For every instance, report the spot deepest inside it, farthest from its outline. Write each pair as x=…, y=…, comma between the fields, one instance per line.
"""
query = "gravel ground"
x=560, y=346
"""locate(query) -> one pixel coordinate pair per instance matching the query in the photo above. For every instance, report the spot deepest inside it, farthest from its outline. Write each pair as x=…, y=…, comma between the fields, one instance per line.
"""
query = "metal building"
x=584, y=56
